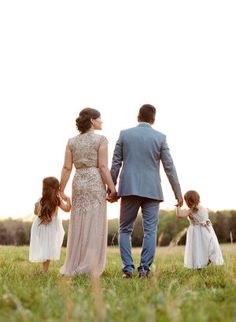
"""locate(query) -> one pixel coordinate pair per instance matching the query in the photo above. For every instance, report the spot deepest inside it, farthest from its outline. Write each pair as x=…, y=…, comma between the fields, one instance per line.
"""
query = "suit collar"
x=144, y=124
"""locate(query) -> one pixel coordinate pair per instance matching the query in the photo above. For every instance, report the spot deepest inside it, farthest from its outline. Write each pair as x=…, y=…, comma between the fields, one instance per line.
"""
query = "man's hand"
x=112, y=197
x=179, y=203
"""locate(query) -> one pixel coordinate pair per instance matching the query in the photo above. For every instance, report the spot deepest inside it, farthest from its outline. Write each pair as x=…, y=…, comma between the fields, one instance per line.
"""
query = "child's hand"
x=63, y=196
x=65, y=203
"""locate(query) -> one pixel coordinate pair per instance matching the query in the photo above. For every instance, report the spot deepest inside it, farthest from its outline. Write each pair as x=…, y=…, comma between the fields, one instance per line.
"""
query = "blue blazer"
x=139, y=151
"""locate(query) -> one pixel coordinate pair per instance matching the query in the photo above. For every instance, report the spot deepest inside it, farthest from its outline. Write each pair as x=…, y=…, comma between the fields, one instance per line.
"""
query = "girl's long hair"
x=192, y=199
x=50, y=199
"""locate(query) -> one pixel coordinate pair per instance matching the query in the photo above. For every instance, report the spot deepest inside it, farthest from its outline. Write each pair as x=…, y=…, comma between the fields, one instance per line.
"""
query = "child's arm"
x=182, y=213
x=36, y=208
x=65, y=205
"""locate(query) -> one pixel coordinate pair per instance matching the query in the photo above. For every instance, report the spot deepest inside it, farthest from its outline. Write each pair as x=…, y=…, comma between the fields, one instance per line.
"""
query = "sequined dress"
x=87, y=234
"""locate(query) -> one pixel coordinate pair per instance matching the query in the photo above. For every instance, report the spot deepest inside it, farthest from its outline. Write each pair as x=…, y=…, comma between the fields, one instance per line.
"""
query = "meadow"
x=172, y=293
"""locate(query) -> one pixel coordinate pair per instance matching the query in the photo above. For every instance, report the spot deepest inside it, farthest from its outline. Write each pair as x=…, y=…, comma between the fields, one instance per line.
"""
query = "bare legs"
x=46, y=265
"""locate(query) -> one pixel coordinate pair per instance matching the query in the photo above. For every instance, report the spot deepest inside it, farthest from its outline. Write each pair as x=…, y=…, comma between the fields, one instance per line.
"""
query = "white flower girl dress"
x=46, y=239
x=202, y=246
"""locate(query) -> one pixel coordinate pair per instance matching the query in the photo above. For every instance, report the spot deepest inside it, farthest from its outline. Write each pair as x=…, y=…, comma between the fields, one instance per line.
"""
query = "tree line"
x=170, y=229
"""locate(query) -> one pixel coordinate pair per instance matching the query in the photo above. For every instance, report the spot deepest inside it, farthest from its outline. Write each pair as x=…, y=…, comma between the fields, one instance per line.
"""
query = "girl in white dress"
x=47, y=232
x=202, y=246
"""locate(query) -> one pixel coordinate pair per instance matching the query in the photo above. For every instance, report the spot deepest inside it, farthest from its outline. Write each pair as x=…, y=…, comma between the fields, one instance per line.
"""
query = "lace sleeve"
x=103, y=141
x=69, y=143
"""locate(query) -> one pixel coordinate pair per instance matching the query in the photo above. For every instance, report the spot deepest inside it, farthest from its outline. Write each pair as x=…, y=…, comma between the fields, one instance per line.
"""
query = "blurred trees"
x=14, y=232
x=17, y=232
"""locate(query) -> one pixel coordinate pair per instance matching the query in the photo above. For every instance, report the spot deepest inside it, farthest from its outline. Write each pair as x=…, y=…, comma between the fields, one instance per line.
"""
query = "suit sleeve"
x=170, y=170
x=117, y=159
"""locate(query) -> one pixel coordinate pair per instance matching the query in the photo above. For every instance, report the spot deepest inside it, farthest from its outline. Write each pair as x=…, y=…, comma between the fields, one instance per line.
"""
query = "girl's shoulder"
x=37, y=207
x=202, y=209
x=202, y=213
x=38, y=201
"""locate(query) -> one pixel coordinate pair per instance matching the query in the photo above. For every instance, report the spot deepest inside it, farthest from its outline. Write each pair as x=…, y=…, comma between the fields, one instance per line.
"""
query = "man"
x=139, y=151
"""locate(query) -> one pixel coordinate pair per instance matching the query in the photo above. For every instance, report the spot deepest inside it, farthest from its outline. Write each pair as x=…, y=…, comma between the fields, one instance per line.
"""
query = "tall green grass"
x=172, y=293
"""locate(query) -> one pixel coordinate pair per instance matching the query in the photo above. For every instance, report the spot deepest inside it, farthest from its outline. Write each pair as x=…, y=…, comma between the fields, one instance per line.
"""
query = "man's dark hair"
x=147, y=113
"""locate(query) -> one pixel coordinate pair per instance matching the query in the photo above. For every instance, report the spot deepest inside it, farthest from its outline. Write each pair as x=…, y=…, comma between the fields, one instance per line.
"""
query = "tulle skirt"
x=46, y=240
x=202, y=247
x=87, y=234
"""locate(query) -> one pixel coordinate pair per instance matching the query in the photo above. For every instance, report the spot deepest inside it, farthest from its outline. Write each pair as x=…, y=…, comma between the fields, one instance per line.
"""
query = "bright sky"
x=58, y=57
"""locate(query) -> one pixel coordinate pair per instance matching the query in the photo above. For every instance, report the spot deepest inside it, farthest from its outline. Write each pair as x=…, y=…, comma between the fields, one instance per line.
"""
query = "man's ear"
x=152, y=121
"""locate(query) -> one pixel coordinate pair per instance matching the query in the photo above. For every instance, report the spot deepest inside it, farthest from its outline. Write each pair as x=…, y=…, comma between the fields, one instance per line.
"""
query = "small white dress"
x=46, y=239
x=202, y=246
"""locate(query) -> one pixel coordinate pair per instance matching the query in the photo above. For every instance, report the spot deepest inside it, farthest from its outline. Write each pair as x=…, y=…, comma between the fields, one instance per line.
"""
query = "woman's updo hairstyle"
x=83, y=122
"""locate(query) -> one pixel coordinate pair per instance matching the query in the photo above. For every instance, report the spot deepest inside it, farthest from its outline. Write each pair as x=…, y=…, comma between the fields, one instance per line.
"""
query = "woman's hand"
x=63, y=196
x=112, y=197
x=65, y=203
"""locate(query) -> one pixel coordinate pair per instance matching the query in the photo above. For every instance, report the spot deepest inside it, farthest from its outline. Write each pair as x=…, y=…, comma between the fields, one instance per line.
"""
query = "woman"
x=87, y=235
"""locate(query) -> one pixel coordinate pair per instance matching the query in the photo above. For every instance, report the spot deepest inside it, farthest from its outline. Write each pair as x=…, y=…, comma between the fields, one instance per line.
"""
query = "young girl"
x=47, y=232
x=202, y=246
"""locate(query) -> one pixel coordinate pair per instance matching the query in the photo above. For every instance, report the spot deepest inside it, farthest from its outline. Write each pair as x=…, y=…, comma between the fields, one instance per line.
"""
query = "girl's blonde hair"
x=192, y=199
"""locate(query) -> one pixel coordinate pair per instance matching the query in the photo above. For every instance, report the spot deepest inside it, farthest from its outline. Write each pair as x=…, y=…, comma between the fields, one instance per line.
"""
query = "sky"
x=57, y=57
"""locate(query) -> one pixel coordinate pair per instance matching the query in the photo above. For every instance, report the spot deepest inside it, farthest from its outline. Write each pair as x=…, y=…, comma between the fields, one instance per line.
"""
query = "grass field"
x=173, y=293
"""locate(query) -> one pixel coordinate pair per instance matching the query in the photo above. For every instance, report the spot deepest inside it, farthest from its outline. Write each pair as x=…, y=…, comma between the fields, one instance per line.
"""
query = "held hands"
x=65, y=203
x=179, y=203
x=112, y=196
x=63, y=196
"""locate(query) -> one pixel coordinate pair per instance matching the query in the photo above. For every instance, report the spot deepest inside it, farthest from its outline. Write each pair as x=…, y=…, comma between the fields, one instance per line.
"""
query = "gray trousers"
x=129, y=208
